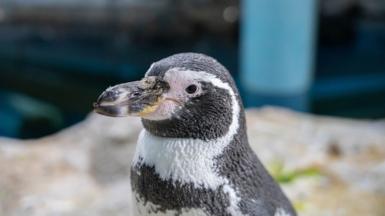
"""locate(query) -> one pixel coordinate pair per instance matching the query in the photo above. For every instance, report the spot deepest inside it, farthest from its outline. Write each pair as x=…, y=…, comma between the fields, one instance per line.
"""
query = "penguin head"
x=186, y=95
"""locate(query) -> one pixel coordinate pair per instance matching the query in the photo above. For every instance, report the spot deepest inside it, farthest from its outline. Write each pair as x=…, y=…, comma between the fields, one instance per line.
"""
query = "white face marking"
x=178, y=80
x=191, y=160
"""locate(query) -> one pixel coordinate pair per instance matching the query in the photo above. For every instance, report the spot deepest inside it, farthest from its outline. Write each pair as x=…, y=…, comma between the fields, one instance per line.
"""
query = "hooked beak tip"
x=107, y=105
x=132, y=98
x=95, y=105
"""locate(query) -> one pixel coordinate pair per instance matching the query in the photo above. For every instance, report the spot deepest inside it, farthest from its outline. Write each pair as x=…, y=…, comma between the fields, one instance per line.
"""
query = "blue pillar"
x=277, y=51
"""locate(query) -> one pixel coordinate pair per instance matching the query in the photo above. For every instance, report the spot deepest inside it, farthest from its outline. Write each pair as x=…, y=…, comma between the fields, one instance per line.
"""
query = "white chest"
x=183, y=160
x=188, y=161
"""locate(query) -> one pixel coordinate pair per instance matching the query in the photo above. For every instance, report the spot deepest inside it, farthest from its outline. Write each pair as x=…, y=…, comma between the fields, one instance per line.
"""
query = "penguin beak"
x=138, y=98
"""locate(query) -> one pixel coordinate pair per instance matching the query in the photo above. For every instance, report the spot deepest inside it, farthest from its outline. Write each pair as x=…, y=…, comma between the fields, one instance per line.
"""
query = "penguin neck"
x=189, y=160
x=182, y=160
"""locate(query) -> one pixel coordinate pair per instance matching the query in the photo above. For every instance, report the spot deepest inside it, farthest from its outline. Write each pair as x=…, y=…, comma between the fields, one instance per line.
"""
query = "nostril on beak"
x=95, y=105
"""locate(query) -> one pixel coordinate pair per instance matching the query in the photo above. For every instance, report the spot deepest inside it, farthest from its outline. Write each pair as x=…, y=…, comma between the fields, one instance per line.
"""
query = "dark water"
x=49, y=83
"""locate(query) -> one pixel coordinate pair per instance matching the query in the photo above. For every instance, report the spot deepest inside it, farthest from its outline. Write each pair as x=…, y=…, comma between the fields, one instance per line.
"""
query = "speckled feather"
x=200, y=162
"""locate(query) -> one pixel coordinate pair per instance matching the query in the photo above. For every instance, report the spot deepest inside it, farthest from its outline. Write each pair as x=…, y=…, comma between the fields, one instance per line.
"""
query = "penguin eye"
x=191, y=89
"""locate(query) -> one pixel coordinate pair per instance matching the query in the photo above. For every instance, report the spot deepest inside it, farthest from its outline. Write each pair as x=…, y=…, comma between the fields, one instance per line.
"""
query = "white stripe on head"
x=178, y=80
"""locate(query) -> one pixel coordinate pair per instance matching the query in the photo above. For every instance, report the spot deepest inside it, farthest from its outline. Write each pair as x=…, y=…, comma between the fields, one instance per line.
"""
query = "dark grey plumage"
x=208, y=117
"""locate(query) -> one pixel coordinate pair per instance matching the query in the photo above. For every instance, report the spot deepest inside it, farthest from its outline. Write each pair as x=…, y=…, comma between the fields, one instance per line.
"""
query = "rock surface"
x=327, y=166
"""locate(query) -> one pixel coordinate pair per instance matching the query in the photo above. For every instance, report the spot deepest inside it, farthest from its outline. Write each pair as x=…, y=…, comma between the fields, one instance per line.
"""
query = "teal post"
x=277, y=51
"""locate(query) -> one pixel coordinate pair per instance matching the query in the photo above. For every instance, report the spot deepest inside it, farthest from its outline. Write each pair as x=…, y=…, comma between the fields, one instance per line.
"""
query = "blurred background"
x=56, y=56
x=324, y=57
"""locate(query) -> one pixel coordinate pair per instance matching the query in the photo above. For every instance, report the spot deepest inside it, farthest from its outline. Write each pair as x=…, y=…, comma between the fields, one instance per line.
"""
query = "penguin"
x=193, y=156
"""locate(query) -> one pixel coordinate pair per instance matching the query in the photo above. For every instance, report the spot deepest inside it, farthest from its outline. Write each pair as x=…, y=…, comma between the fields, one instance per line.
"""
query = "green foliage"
x=282, y=175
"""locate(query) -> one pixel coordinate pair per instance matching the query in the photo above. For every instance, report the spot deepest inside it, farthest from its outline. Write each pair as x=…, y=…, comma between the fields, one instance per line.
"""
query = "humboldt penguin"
x=193, y=156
